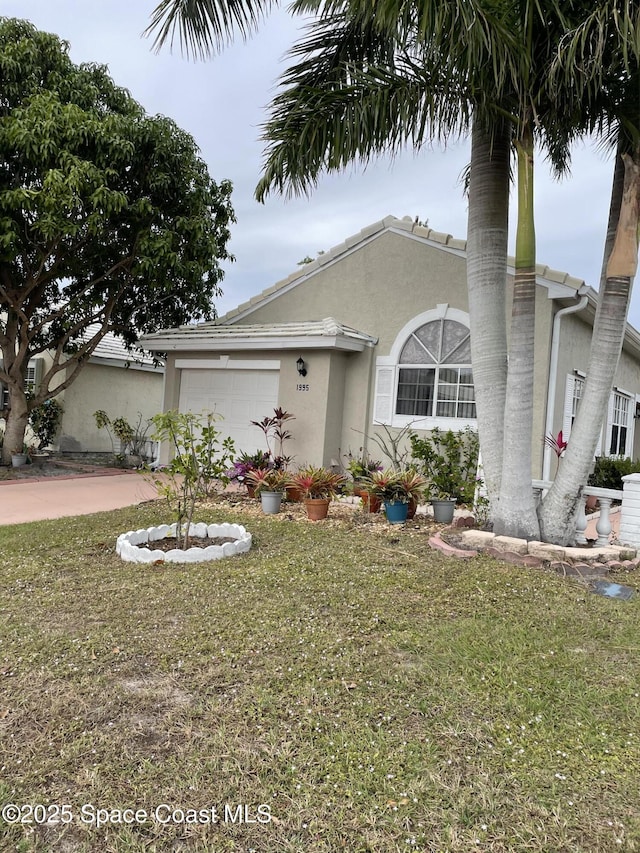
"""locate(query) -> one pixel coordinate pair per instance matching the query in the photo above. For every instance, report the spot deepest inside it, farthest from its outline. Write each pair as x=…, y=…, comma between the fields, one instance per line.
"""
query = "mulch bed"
x=50, y=468
x=169, y=543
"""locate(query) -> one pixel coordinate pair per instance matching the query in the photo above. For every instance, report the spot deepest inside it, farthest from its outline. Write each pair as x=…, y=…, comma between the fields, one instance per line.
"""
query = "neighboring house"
x=124, y=384
x=381, y=323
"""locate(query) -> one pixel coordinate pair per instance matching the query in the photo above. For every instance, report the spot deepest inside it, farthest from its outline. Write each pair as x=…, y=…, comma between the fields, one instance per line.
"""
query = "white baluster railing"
x=605, y=498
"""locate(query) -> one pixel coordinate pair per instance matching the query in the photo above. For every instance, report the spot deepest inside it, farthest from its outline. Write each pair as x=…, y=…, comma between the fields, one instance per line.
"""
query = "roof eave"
x=218, y=343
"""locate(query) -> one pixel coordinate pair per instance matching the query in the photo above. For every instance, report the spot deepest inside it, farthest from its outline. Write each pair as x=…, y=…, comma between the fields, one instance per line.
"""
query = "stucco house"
x=376, y=331
x=122, y=383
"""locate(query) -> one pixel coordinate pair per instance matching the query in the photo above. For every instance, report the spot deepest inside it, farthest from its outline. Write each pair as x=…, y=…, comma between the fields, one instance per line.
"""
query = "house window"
x=619, y=425
x=30, y=382
x=434, y=374
x=578, y=388
x=617, y=437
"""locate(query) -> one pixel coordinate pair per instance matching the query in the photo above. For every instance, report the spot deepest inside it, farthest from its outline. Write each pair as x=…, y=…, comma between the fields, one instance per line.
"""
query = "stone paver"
x=437, y=543
x=509, y=543
x=583, y=562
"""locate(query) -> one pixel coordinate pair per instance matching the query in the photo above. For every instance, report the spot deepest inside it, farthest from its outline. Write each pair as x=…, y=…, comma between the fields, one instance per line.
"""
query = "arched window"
x=435, y=378
x=428, y=375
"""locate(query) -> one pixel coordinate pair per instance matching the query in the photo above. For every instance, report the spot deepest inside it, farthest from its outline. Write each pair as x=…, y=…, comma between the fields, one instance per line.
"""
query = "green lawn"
x=353, y=689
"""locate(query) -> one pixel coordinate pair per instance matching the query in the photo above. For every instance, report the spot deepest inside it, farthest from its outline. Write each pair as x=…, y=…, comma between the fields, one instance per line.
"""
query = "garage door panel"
x=240, y=396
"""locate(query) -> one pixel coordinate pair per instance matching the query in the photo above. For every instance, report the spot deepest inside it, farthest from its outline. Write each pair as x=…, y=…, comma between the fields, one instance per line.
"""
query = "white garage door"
x=240, y=396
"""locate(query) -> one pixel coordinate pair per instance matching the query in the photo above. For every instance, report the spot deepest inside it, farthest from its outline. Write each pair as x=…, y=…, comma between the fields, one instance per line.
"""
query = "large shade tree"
x=347, y=98
x=110, y=221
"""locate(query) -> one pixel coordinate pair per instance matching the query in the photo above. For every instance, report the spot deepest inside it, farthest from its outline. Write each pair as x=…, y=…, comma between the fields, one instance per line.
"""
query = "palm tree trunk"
x=487, y=237
x=558, y=509
x=516, y=511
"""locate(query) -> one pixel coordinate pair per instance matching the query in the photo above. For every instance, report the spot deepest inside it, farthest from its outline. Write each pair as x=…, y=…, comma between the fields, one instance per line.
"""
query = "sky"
x=223, y=102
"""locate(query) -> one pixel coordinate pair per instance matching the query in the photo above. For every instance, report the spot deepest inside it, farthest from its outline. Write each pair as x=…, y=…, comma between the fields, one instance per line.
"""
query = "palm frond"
x=354, y=94
x=203, y=27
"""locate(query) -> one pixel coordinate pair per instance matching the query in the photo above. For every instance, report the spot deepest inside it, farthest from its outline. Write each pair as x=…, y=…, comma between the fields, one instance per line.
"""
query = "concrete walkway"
x=58, y=497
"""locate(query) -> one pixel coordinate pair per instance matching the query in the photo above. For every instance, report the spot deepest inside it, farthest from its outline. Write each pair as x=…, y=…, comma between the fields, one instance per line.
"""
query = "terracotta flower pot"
x=412, y=506
x=370, y=503
x=294, y=494
x=317, y=508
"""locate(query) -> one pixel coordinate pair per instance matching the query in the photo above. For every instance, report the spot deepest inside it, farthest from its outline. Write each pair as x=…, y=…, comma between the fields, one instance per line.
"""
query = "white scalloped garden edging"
x=128, y=544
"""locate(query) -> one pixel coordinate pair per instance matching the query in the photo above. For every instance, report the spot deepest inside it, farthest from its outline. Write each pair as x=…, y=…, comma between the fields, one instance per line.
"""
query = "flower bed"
x=134, y=545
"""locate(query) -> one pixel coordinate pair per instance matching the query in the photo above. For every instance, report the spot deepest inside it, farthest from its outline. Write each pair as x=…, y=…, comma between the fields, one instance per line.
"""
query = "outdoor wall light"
x=637, y=414
x=302, y=368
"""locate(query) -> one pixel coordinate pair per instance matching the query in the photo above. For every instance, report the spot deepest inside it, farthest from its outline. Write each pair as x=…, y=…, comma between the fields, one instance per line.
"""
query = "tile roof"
x=327, y=333
x=112, y=348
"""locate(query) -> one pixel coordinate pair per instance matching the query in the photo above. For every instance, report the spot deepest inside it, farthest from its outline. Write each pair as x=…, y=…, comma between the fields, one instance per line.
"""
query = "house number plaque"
x=302, y=386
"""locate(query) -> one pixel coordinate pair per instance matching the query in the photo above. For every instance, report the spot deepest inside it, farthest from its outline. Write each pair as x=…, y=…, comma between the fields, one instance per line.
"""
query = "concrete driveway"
x=57, y=497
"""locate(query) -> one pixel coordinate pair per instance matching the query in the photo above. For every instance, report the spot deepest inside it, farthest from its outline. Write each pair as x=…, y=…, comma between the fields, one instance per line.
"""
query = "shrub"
x=449, y=461
x=45, y=420
x=608, y=472
x=133, y=439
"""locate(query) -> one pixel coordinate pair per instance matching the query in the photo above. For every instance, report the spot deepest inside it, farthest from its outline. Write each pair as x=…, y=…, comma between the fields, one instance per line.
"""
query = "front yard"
x=347, y=687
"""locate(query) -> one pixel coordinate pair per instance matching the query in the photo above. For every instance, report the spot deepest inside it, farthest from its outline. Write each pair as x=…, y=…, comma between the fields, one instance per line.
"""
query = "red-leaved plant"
x=557, y=444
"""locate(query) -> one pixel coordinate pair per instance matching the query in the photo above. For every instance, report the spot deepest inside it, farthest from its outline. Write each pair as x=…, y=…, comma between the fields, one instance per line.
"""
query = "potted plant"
x=247, y=462
x=449, y=460
x=269, y=484
x=371, y=503
x=395, y=489
x=275, y=431
x=19, y=456
x=361, y=469
x=36, y=456
x=318, y=486
x=414, y=485
x=443, y=507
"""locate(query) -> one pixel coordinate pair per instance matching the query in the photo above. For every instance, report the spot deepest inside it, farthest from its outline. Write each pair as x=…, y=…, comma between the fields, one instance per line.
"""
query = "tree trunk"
x=516, y=512
x=16, y=426
x=558, y=509
x=487, y=237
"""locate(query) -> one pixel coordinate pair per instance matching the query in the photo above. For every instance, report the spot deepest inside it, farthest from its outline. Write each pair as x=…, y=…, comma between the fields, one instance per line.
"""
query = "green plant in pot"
x=247, y=462
x=415, y=485
x=449, y=461
x=318, y=487
x=270, y=485
x=361, y=467
x=396, y=489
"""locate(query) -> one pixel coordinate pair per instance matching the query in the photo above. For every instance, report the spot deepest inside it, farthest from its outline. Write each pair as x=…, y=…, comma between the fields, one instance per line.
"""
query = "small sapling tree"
x=200, y=459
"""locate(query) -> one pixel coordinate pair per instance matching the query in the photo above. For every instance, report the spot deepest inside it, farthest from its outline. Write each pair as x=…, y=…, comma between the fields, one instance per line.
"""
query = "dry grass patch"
x=367, y=693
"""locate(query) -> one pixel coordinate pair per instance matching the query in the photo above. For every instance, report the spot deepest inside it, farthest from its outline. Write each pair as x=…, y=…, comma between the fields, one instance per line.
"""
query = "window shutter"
x=38, y=365
x=568, y=407
x=383, y=403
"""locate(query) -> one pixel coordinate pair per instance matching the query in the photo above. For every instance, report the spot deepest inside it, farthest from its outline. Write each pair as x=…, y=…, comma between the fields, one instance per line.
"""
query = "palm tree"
x=373, y=76
x=619, y=121
x=487, y=233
